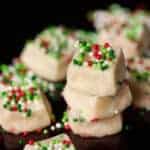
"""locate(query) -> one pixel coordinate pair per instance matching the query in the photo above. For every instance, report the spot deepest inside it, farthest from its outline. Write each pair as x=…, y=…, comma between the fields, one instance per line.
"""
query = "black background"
x=22, y=20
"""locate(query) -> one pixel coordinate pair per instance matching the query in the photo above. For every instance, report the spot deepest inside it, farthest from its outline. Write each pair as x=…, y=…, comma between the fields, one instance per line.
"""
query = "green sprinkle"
x=111, y=54
x=3, y=94
x=141, y=76
x=4, y=68
x=77, y=62
x=59, y=86
x=21, y=142
x=133, y=32
x=29, y=113
x=20, y=66
x=29, y=96
x=55, y=54
x=65, y=117
x=104, y=66
x=19, y=107
x=85, y=46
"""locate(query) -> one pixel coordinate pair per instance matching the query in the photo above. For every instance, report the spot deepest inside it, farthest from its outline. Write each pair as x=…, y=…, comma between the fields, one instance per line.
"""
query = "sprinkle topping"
x=19, y=99
x=56, y=143
x=19, y=75
x=139, y=70
x=94, y=55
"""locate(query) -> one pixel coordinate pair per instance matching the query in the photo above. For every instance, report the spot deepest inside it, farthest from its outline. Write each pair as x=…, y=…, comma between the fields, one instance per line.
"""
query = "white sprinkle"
x=52, y=128
x=91, y=54
x=58, y=125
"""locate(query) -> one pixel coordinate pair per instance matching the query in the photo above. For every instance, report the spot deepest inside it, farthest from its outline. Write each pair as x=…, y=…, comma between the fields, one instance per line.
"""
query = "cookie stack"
x=124, y=29
x=96, y=91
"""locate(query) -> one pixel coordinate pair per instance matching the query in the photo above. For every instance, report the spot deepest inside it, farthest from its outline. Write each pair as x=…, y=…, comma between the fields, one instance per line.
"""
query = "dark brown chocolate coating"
x=11, y=141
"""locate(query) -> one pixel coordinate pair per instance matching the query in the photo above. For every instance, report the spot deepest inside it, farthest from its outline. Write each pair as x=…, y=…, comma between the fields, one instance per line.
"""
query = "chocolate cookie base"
x=17, y=142
x=113, y=142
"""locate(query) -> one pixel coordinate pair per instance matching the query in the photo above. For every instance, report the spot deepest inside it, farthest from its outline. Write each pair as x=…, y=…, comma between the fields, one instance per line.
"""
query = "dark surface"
x=11, y=142
x=23, y=20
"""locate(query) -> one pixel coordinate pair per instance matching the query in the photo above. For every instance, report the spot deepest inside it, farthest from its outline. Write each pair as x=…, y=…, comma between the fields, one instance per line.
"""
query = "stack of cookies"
x=96, y=91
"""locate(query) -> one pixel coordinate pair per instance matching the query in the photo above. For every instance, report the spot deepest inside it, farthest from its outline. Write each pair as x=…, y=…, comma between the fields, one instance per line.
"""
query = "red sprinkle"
x=97, y=56
x=90, y=63
x=31, y=142
x=24, y=134
x=31, y=89
x=95, y=48
x=66, y=142
x=95, y=119
x=14, y=108
x=67, y=127
x=13, y=91
x=10, y=97
x=106, y=45
x=20, y=93
x=45, y=44
x=39, y=130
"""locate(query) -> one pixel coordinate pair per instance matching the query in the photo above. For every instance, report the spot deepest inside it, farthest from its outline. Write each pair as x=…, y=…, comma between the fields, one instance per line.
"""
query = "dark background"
x=22, y=20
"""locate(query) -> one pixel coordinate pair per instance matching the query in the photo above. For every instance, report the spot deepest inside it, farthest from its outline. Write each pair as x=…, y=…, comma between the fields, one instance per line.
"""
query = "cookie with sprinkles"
x=99, y=65
x=139, y=77
x=23, y=104
x=51, y=51
x=125, y=29
x=95, y=128
x=59, y=142
x=19, y=74
x=115, y=16
x=93, y=107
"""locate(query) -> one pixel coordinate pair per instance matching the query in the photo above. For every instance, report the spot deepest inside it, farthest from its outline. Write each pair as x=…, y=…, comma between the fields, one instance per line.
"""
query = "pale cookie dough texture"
x=98, y=128
x=95, y=81
x=139, y=80
x=15, y=122
x=91, y=107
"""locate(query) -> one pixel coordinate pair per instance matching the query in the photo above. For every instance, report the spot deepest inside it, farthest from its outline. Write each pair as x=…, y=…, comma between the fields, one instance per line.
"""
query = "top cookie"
x=96, y=69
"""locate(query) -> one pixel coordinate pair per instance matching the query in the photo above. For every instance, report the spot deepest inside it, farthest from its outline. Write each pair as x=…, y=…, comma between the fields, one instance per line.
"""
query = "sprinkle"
x=21, y=142
x=52, y=128
x=97, y=56
x=31, y=142
x=45, y=44
x=24, y=134
x=66, y=142
x=45, y=131
x=39, y=130
x=95, y=119
x=90, y=63
x=67, y=127
x=106, y=45
x=95, y=48
x=14, y=108
x=58, y=125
